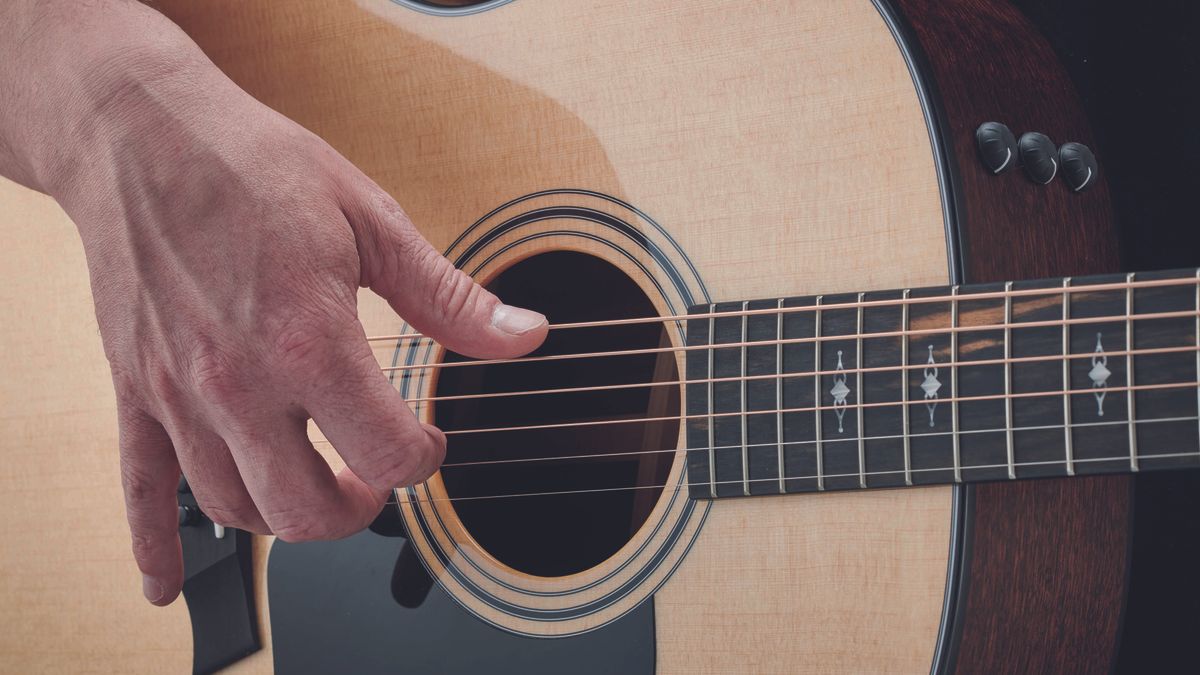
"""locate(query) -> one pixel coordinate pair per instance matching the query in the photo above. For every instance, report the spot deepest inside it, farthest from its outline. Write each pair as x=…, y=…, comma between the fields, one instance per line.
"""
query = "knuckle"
x=300, y=341
x=161, y=384
x=392, y=465
x=140, y=488
x=145, y=548
x=297, y=524
x=454, y=292
x=125, y=384
x=238, y=516
x=216, y=378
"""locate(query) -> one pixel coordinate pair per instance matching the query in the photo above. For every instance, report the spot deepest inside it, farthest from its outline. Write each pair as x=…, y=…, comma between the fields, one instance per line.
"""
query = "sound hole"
x=558, y=534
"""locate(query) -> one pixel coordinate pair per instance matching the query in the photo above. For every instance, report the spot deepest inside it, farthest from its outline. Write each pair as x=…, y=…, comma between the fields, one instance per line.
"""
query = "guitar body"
x=708, y=151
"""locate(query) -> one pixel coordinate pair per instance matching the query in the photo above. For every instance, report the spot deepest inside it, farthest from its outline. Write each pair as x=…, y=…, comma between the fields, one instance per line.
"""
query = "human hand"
x=226, y=245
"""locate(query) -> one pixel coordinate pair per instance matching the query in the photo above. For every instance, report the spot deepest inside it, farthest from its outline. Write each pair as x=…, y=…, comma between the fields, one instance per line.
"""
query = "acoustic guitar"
x=735, y=453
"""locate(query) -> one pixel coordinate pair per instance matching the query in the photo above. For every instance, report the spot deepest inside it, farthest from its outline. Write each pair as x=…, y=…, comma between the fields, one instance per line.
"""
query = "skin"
x=226, y=245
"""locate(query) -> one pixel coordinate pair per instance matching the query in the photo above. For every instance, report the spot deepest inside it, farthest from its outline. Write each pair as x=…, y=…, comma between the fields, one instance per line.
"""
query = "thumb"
x=433, y=295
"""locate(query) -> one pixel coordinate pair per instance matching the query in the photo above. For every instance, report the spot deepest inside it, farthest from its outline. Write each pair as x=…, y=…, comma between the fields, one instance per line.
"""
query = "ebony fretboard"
x=862, y=390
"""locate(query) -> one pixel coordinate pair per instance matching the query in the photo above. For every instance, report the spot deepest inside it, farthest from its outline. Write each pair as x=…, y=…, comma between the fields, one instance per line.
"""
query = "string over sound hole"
x=585, y=521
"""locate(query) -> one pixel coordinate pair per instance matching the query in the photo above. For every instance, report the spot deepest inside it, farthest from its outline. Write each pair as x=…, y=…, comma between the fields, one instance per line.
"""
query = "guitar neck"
x=952, y=384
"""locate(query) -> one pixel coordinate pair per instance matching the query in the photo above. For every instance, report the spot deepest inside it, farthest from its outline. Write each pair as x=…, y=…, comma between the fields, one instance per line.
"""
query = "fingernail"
x=152, y=589
x=516, y=321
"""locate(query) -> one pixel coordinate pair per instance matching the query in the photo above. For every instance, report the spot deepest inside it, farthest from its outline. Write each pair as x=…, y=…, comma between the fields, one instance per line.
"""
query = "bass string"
x=787, y=444
x=1131, y=318
x=796, y=374
x=775, y=479
x=1054, y=291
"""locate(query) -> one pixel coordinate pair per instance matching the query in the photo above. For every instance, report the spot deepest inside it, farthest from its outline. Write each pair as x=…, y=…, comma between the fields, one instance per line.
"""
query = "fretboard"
x=926, y=386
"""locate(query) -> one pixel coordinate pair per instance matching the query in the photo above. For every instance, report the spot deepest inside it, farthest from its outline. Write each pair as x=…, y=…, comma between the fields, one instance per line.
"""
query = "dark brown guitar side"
x=1035, y=593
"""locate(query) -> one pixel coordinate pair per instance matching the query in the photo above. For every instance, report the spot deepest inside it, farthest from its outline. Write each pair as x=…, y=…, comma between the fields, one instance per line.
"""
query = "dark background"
x=1136, y=66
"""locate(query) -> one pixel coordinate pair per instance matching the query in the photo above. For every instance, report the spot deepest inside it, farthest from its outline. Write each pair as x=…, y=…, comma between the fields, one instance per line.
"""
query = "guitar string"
x=1054, y=291
x=775, y=479
x=788, y=375
x=768, y=411
x=774, y=444
x=1073, y=392
x=786, y=341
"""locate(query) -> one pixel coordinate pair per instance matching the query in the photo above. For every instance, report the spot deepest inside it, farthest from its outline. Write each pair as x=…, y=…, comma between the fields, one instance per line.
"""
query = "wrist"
x=85, y=78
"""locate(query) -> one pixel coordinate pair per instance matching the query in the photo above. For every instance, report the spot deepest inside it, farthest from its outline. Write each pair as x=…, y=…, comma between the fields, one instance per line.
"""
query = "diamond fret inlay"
x=931, y=385
x=1099, y=374
x=839, y=392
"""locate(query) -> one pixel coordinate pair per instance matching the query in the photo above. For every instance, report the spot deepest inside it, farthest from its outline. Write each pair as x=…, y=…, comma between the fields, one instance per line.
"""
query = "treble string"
x=824, y=307
x=790, y=375
x=803, y=340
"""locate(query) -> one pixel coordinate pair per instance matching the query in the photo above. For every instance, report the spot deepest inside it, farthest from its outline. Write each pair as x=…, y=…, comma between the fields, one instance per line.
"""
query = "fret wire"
x=779, y=394
x=712, y=441
x=1198, y=359
x=954, y=384
x=817, y=396
x=1066, y=372
x=1008, y=408
x=1130, y=395
x=858, y=394
x=745, y=438
x=904, y=389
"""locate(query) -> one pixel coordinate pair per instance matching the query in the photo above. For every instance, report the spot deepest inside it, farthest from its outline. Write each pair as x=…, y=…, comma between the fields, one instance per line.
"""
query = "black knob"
x=1079, y=166
x=997, y=146
x=1039, y=157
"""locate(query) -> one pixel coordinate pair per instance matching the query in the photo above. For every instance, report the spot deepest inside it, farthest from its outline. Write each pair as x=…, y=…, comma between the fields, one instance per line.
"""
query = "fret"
x=954, y=436
x=779, y=436
x=930, y=438
x=1130, y=396
x=712, y=440
x=698, y=404
x=985, y=387
x=761, y=422
x=907, y=427
x=1069, y=452
x=1039, y=402
x=1099, y=449
x=1158, y=368
x=799, y=366
x=732, y=403
x=881, y=354
x=1198, y=361
x=1008, y=403
x=745, y=435
x=840, y=392
x=858, y=396
x=817, y=397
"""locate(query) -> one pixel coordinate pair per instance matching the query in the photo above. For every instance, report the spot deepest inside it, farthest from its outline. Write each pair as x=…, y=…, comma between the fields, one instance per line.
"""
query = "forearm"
x=75, y=75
